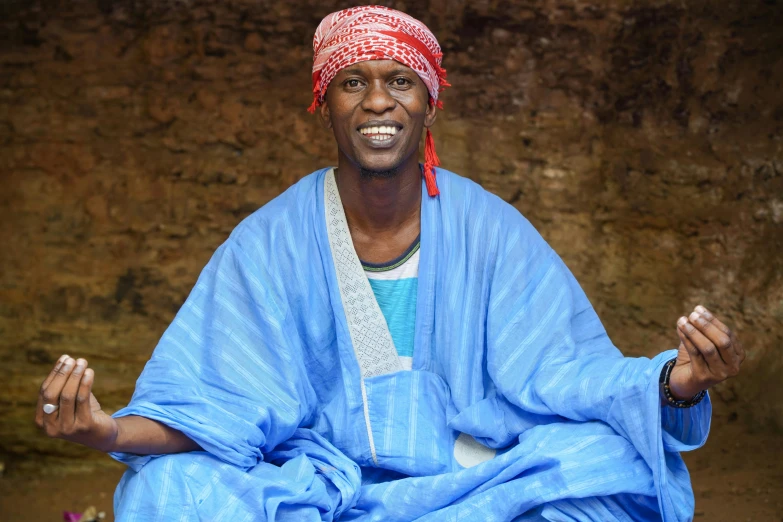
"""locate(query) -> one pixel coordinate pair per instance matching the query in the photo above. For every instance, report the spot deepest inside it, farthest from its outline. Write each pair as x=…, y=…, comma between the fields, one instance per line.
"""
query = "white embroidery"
x=468, y=452
x=370, y=336
x=372, y=341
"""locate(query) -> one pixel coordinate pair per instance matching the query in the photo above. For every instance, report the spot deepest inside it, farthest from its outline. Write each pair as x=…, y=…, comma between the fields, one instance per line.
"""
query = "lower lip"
x=381, y=144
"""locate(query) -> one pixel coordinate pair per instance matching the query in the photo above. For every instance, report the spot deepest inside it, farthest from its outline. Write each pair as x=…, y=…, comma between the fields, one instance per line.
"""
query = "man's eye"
x=352, y=83
x=401, y=82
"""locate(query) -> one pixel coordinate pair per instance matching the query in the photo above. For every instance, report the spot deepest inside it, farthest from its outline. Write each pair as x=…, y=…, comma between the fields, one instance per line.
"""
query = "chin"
x=391, y=160
x=381, y=167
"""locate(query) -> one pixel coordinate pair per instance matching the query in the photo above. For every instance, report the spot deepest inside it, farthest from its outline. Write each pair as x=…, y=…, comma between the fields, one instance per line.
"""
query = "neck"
x=377, y=206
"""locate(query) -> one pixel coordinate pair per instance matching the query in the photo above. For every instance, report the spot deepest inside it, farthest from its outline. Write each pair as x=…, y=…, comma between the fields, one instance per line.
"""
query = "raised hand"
x=68, y=410
x=709, y=353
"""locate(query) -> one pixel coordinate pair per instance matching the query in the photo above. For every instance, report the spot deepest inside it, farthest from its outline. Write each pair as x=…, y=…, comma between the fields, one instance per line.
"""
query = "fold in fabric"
x=258, y=368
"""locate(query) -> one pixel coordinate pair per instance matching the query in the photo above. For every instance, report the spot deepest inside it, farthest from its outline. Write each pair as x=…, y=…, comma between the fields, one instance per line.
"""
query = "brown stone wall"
x=642, y=138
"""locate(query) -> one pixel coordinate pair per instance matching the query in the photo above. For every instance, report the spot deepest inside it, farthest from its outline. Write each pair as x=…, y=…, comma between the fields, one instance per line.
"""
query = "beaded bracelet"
x=666, y=392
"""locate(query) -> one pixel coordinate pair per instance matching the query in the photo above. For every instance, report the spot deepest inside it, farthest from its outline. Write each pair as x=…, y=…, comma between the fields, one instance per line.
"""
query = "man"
x=370, y=347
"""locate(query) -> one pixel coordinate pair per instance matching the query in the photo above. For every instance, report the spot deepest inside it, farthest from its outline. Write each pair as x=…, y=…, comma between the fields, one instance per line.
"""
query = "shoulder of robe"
x=282, y=217
x=467, y=200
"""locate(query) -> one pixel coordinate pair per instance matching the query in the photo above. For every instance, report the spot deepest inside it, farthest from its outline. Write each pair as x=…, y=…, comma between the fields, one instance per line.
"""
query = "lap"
x=198, y=486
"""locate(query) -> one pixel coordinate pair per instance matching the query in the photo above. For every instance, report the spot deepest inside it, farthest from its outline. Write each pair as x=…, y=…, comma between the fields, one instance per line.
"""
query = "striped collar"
x=396, y=262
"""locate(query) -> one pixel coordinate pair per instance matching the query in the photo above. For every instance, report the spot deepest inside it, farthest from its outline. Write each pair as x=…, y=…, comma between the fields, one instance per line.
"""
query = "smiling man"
x=388, y=341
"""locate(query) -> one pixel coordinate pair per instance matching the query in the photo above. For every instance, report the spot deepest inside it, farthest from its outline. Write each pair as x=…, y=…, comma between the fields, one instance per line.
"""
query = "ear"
x=430, y=115
x=324, y=115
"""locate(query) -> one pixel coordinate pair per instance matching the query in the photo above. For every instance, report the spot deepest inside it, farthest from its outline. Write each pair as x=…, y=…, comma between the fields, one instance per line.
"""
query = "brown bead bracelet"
x=666, y=392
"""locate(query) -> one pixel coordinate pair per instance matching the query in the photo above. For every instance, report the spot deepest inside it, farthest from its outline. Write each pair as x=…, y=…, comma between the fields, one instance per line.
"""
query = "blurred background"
x=644, y=139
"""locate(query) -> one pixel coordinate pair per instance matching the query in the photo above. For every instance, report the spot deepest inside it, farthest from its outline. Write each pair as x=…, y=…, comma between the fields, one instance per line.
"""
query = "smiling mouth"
x=379, y=133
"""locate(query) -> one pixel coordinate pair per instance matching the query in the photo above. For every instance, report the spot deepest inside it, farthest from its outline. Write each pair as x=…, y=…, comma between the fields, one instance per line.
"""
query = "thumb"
x=94, y=404
x=682, y=354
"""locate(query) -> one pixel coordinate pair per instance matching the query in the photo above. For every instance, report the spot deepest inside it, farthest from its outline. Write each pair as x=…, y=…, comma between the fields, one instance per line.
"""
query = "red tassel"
x=316, y=92
x=311, y=109
x=431, y=161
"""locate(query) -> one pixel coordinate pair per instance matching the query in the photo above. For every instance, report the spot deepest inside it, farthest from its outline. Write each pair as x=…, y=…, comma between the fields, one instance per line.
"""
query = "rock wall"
x=642, y=138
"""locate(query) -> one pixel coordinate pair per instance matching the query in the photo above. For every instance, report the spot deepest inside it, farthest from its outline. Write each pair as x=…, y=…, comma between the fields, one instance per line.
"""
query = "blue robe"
x=518, y=406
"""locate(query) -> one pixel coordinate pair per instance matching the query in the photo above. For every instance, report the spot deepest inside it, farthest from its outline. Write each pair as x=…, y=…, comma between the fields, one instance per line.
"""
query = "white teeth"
x=378, y=132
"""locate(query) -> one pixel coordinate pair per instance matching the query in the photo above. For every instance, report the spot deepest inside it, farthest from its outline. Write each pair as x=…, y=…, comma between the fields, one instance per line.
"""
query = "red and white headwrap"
x=373, y=32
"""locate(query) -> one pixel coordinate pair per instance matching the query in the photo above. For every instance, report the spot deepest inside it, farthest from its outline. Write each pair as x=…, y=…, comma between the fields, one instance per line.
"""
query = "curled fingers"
x=67, y=412
x=705, y=347
x=736, y=346
x=51, y=395
x=39, y=414
x=83, y=406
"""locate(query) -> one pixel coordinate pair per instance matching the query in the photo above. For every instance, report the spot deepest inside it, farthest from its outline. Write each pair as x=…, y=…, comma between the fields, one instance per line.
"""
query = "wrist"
x=113, y=440
x=680, y=392
x=675, y=393
x=681, y=385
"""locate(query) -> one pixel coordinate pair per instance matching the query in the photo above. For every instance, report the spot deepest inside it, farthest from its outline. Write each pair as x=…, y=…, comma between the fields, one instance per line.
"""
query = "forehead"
x=376, y=68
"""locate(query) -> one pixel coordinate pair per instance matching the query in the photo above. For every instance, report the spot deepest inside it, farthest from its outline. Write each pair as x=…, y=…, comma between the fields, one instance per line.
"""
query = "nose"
x=377, y=98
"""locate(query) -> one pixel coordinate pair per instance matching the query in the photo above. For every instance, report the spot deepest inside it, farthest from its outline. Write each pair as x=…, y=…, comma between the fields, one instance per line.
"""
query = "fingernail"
x=68, y=362
x=701, y=309
x=682, y=321
x=694, y=316
x=60, y=362
x=80, y=363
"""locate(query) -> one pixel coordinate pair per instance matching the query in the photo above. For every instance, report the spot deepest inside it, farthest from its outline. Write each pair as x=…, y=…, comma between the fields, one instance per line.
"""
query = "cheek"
x=340, y=117
x=416, y=104
x=422, y=98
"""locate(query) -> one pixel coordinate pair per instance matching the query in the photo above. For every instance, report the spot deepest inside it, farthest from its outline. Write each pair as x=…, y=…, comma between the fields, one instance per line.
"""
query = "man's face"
x=377, y=110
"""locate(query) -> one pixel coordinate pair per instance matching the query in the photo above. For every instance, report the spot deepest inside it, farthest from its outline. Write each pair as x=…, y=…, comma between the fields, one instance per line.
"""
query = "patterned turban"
x=366, y=33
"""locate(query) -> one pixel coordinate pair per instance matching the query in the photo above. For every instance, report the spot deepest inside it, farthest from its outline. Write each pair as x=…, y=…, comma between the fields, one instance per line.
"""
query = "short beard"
x=378, y=174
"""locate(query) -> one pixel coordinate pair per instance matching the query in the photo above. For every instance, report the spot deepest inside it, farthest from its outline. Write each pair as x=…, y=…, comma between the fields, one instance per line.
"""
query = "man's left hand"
x=709, y=353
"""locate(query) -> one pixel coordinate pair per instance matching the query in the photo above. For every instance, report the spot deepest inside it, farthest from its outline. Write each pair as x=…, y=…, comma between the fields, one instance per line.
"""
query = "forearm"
x=584, y=388
x=144, y=436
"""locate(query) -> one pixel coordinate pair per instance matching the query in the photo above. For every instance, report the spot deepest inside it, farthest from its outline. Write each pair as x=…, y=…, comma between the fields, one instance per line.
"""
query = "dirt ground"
x=737, y=477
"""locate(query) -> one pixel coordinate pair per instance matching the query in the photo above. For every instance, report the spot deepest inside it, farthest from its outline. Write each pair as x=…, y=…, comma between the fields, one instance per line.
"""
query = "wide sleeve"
x=227, y=372
x=549, y=354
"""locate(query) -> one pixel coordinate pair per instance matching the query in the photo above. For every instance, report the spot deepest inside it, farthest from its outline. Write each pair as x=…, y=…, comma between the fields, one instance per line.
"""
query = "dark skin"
x=383, y=213
x=709, y=353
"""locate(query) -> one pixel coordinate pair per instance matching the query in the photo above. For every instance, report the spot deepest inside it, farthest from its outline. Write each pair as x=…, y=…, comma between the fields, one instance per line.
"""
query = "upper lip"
x=379, y=123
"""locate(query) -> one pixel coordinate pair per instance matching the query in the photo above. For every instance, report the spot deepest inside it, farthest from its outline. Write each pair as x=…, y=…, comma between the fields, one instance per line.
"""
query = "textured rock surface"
x=642, y=138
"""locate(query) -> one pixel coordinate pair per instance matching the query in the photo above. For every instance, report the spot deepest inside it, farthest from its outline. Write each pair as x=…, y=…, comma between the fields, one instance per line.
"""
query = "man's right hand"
x=78, y=417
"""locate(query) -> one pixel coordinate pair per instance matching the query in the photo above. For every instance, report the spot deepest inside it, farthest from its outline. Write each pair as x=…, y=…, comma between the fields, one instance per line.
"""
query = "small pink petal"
x=69, y=516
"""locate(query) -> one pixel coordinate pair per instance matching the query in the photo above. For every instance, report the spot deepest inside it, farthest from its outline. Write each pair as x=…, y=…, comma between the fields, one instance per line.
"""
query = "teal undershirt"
x=396, y=297
x=397, y=300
